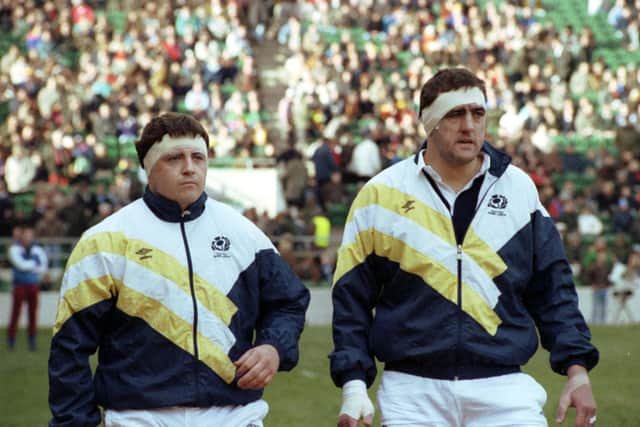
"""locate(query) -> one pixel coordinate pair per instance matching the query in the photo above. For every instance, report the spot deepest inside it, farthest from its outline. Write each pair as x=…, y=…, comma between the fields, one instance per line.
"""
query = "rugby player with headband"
x=190, y=306
x=449, y=269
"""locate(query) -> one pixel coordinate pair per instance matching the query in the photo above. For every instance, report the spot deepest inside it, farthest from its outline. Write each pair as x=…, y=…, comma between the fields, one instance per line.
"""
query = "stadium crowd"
x=78, y=81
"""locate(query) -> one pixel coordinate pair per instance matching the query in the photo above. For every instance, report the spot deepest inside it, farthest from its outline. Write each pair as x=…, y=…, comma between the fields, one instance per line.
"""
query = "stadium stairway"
x=269, y=57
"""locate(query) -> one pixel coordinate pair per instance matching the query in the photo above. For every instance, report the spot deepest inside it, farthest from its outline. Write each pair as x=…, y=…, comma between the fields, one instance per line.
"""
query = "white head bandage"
x=446, y=102
x=168, y=143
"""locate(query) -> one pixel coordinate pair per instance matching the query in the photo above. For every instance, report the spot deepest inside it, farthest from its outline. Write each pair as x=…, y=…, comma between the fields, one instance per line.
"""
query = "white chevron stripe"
x=153, y=286
x=424, y=241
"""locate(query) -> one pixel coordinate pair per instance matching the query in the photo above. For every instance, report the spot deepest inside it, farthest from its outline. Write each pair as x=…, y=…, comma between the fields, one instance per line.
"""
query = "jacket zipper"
x=459, y=262
x=194, y=301
x=460, y=317
x=459, y=268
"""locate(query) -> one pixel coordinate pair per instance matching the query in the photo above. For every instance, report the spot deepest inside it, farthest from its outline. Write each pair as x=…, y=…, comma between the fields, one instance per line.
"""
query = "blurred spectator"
x=294, y=176
x=365, y=159
x=78, y=82
x=327, y=173
x=622, y=219
x=625, y=277
x=597, y=276
x=19, y=170
x=29, y=266
x=588, y=222
x=6, y=211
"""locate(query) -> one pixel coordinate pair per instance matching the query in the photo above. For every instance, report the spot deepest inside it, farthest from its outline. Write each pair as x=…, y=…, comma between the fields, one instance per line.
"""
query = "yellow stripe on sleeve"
x=86, y=294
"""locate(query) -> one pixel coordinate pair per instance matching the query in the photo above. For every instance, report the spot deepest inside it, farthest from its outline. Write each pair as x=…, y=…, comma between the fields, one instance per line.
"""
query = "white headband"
x=168, y=143
x=446, y=102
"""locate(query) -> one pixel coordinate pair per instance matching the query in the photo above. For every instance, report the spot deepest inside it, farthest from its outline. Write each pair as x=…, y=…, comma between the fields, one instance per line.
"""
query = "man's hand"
x=356, y=405
x=577, y=393
x=257, y=367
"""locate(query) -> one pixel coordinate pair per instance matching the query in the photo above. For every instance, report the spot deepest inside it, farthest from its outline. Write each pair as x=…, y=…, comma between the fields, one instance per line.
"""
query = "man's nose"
x=467, y=120
x=189, y=166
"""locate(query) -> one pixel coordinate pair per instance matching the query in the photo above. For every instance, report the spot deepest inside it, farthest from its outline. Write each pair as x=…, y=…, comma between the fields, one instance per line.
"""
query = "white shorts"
x=506, y=400
x=250, y=415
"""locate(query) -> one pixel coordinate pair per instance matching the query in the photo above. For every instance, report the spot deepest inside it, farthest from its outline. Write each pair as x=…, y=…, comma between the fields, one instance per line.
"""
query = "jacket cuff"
x=285, y=363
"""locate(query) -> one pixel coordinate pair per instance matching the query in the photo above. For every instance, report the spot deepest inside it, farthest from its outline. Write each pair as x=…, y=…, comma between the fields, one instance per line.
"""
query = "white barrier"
x=319, y=311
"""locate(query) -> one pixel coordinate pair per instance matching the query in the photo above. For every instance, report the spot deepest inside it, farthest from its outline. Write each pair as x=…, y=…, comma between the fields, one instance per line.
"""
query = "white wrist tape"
x=168, y=143
x=446, y=102
x=355, y=400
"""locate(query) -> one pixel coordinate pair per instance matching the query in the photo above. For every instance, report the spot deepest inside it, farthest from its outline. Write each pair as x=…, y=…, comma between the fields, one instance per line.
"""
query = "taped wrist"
x=355, y=400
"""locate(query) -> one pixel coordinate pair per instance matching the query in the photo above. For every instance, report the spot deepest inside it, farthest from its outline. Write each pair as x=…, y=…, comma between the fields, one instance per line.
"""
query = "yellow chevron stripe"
x=86, y=294
x=430, y=219
x=159, y=262
x=483, y=254
x=412, y=261
x=176, y=330
x=156, y=315
x=395, y=200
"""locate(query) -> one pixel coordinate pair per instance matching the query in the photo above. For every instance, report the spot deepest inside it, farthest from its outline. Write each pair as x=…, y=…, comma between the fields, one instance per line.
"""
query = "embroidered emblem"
x=220, y=245
x=408, y=205
x=144, y=253
x=497, y=203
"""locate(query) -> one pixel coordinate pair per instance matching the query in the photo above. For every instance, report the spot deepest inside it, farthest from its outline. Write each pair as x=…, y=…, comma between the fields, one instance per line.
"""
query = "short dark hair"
x=448, y=79
x=172, y=124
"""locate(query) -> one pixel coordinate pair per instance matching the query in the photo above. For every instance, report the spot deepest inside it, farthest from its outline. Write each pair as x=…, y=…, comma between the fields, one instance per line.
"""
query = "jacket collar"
x=499, y=159
x=168, y=210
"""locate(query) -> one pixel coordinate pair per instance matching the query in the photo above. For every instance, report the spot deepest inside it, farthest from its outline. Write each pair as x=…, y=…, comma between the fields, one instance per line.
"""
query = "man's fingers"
x=255, y=379
x=368, y=420
x=581, y=398
x=246, y=361
x=256, y=368
x=562, y=409
x=246, y=358
x=250, y=378
x=346, y=421
x=585, y=405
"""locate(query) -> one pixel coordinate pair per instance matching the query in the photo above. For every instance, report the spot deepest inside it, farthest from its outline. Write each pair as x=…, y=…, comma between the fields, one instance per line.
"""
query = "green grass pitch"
x=307, y=397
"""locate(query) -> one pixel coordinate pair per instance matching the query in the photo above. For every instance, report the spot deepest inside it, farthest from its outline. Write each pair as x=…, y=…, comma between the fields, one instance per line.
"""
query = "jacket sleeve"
x=18, y=259
x=352, y=297
x=43, y=261
x=86, y=298
x=355, y=291
x=553, y=302
x=283, y=303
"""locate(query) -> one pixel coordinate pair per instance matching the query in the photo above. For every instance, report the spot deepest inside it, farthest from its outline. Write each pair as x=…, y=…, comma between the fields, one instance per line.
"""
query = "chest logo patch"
x=220, y=246
x=498, y=204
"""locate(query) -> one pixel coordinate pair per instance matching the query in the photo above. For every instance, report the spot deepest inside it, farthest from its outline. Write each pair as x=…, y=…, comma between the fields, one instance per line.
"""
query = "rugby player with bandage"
x=189, y=305
x=449, y=269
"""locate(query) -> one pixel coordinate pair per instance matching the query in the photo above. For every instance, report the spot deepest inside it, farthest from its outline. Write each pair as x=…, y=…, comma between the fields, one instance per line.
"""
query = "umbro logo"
x=144, y=253
x=497, y=203
x=408, y=205
x=220, y=246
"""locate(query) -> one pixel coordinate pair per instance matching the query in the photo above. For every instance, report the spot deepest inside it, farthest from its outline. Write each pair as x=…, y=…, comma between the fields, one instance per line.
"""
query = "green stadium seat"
x=337, y=213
